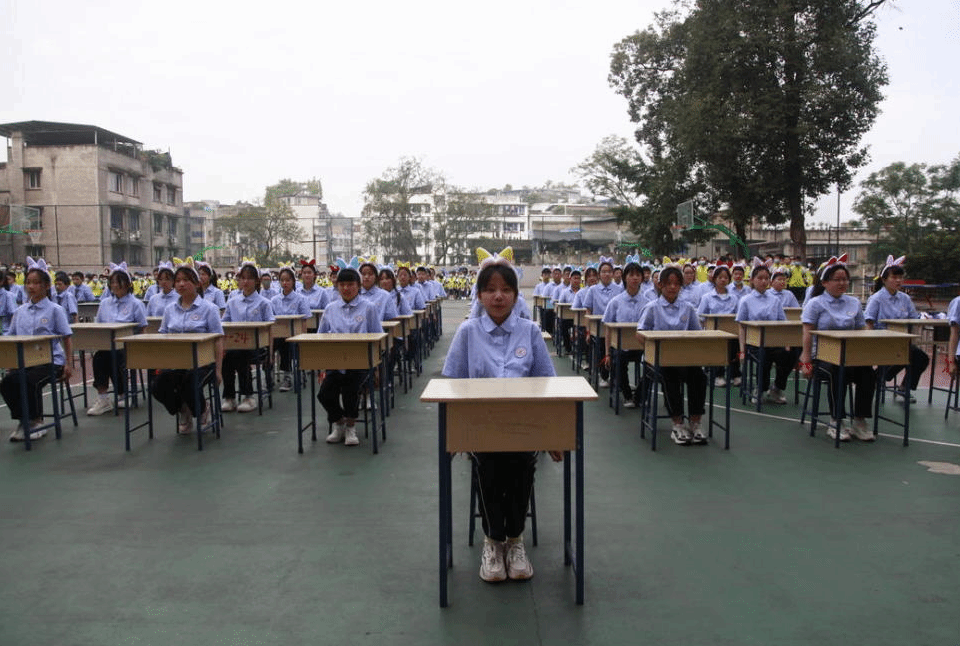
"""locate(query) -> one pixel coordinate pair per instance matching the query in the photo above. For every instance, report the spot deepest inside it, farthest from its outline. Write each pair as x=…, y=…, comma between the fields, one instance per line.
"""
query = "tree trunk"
x=792, y=169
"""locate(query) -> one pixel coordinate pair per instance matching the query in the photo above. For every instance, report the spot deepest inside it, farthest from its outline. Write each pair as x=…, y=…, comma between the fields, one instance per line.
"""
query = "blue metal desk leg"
x=579, y=560
x=443, y=467
x=197, y=396
x=298, y=387
x=24, y=410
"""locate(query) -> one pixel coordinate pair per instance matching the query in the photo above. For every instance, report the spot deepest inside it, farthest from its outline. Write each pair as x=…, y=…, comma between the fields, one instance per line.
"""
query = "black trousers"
x=281, y=346
x=236, y=363
x=504, y=482
x=566, y=329
x=37, y=377
x=343, y=386
x=547, y=320
x=673, y=381
x=103, y=371
x=625, y=358
x=919, y=360
x=173, y=389
x=864, y=380
x=785, y=360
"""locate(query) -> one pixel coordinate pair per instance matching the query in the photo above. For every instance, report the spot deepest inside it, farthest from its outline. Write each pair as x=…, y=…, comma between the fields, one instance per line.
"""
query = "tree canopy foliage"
x=391, y=210
x=759, y=104
x=266, y=229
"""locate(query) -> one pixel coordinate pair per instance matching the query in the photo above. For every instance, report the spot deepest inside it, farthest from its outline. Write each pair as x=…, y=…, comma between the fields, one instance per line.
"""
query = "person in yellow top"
x=798, y=278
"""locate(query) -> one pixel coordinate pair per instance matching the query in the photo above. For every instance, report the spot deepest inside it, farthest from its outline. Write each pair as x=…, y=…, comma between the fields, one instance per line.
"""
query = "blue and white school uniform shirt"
x=884, y=305
x=44, y=317
x=159, y=302
x=201, y=316
x=760, y=307
x=739, y=292
x=386, y=305
x=624, y=308
x=269, y=292
x=661, y=314
x=520, y=308
x=215, y=296
x=690, y=294
x=825, y=312
x=128, y=309
x=291, y=304
x=316, y=297
x=483, y=349
x=82, y=293
x=8, y=305
x=248, y=308
x=356, y=317
x=69, y=304
x=786, y=297
x=714, y=303
x=600, y=296
x=414, y=297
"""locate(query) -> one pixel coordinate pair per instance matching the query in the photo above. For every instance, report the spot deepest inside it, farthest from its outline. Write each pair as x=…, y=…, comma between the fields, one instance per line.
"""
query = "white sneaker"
x=861, y=431
x=286, y=383
x=629, y=403
x=719, y=382
x=492, y=567
x=699, y=437
x=17, y=435
x=248, y=404
x=604, y=383
x=185, y=427
x=844, y=432
x=518, y=565
x=101, y=406
x=37, y=434
x=205, y=417
x=774, y=396
x=681, y=434
x=121, y=402
x=337, y=433
x=584, y=365
x=736, y=381
x=228, y=405
x=350, y=436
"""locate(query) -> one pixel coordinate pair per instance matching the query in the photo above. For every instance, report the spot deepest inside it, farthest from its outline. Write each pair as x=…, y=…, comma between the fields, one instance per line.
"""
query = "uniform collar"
x=507, y=326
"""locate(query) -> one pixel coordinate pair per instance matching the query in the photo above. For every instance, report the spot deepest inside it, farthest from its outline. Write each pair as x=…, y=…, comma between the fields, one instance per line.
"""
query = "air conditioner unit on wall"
x=172, y=241
x=135, y=235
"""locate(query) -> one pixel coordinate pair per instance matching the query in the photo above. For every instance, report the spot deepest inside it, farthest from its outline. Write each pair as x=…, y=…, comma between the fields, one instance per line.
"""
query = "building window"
x=116, y=218
x=135, y=186
x=157, y=192
x=31, y=177
x=134, y=220
x=116, y=182
x=35, y=219
x=171, y=195
x=159, y=255
x=171, y=226
x=117, y=253
x=36, y=250
x=158, y=224
x=136, y=255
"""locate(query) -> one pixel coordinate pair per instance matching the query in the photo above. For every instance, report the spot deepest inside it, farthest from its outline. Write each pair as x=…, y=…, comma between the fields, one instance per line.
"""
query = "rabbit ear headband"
x=505, y=257
x=892, y=262
x=187, y=264
x=121, y=267
x=634, y=258
x=39, y=263
x=165, y=264
x=252, y=262
x=757, y=262
x=842, y=261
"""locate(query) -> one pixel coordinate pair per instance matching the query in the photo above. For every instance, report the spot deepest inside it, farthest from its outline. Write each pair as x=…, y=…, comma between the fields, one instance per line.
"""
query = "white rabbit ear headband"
x=165, y=264
x=39, y=263
x=891, y=262
x=842, y=261
x=121, y=267
x=759, y=262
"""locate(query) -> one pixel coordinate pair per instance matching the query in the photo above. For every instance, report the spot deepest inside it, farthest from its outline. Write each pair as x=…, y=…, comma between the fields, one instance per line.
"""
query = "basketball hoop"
x=676, y=230
x=35, y=235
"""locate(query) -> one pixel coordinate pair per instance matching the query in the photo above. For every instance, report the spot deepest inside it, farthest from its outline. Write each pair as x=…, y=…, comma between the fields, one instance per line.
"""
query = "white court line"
x=794, y=419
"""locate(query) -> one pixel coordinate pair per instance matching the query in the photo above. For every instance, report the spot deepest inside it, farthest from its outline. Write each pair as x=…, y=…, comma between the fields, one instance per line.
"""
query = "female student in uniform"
x=208, y=283
x=120, y=306
x=63, y=296
x=386, y=306
x=501, y=344
x=760, y=304
x=165, y=294
x=315, y=296
x=669, y=312
x=340, y=389
x=831, y=308
x=37, y=315
x=287, y=303
x=719, y=300
x=189, y=313
x=888, y=302
x=953, y=352
x=625, y=308
x=247, y=305
x=778, y=287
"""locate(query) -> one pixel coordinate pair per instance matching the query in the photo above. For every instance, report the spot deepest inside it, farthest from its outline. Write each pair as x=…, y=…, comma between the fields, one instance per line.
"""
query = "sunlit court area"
x=551, y=323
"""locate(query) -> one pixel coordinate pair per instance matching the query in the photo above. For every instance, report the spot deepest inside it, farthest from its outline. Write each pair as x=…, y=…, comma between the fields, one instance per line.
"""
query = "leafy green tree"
x=765, y=101
x=266, y=229
x=390, y=215
x=459, y=216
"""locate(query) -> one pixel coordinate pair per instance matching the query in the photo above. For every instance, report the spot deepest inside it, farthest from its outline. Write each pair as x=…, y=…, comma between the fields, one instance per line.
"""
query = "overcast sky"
x=488, y=93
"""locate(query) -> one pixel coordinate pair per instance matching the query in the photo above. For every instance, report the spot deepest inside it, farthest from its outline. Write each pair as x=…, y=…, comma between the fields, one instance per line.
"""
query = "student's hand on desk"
x=556, y=456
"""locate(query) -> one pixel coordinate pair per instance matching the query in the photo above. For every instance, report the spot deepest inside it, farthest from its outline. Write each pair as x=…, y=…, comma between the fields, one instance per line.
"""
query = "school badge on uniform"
x=358, y=318
x=43, y=320
x=520, y=352
x=194, y=317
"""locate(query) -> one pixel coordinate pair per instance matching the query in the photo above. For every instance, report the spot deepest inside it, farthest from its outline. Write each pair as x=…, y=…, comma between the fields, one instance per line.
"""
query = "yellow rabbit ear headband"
x=505, y=257
x=187, y=263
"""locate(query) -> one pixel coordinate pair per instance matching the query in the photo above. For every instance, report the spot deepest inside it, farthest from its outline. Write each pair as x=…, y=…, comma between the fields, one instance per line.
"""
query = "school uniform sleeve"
x=390, y=307
x=811, y=311
x=373, y=320
x=872, y=311
x=542, y=364
x=456, y=365
x=646, y=320
x=953, y=311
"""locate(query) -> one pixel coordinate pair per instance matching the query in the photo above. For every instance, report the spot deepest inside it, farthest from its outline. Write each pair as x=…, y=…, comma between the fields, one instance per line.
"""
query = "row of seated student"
x=194, y=309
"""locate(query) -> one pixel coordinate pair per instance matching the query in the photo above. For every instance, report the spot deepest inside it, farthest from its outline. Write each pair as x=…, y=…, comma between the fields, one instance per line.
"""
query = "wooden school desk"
x=768, y=334
x=852, y=348
x=539, y=302
x=623, y=338
x=153, y=325
x=253, y=336
x=87, y=311
x=793, y=313
x=314, y=324
x=916, y=326
x=172, y=351
x=722, y=322
x=579, y=315
x=406, y=325
x=682, y=349
x=563, y=314
x=419, y=324
x=519, y=414
x=19, y=352
x=329, y=351
x=392, y=328
x=92, y=337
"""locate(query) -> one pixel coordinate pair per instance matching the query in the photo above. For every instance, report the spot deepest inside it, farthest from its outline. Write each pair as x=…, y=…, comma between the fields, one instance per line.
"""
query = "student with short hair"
x=248, y=305
x=760, y=304
x=63, y=297
x=287, y=303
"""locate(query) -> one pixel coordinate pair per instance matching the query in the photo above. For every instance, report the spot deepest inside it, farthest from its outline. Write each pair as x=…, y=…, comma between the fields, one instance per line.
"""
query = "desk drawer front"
x=865, y=352
x=776, y=337
x=168, y=355
x=494, y=426
x=34, y=354
x=689, y=352
x=336, y=356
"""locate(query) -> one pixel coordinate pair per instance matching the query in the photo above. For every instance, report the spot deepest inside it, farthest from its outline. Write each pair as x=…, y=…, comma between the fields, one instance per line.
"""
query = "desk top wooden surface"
x=681, y=335
x=246, y=325
x=278, y=318
x=316, y=312
x=625, y=325
x=879, y=335
x=912, y=322
x=173, y=337
x=103, y=326
x=27, y=338
x=772, y=324
x=718, y=316
x=333, y=337
x=593, y=318
x=404, y=317
x=419, y=312
x=517, y=389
